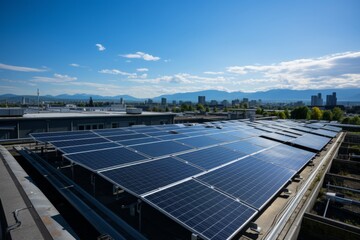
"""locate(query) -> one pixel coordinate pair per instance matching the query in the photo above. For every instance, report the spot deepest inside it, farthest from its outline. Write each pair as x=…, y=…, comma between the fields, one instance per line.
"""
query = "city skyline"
x=149, y=49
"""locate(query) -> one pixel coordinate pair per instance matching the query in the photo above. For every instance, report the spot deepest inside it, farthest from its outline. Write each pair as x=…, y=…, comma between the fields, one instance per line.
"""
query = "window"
x=81, y=127
x=114, y=125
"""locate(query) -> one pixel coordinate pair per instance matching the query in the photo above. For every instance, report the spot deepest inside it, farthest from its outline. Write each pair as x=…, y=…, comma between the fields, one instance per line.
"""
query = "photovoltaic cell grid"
x=212, y=157
x=201, y=141
x=85, y=148
x=145, y=177
x=332, y=128
x=78, y=142
x=96, y=160
x=243, y=146
x=311, y=141
x=251, y=180
x=206, y=211
x=161, y=148
x=325, y=133
x=277, y=137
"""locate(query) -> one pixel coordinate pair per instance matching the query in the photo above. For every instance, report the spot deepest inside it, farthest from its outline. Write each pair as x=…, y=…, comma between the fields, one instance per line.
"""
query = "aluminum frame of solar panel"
x=211, y=157
x=202, y=210
x=262, y=142
x=106, y=158
x=253, y=181
x=149, y=176
x=332, y=128
x=311, y=141
x=161, y=148
x=278, y=137
x=326, y=133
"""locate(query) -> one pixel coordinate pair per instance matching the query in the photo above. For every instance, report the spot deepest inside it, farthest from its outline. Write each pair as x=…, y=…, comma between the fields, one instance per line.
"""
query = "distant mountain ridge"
x=275, y=95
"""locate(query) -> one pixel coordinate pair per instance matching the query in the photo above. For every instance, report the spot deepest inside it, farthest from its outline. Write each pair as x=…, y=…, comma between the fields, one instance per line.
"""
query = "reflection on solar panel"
x=251, y=180
x=262, y=142
x=207, y=212
x=243, y=146
x=161, y=148
x=303, y=129
x=211, y=157
x=145, y=177
x=201, y=141
x=89, y=147
x=286, y=156
x=224, y=137
x=172, y=136
x=332, y=128
x=240, y=134
x=325, y=133
x=311, y=141
x=97, y=160
x=59, y=144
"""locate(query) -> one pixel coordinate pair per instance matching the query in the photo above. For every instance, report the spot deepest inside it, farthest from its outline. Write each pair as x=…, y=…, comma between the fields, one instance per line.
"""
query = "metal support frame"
x=93, y=183
x=138, y=209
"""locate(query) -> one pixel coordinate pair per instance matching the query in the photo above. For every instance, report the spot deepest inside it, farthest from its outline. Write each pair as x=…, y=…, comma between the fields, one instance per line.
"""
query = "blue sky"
x=149, y=48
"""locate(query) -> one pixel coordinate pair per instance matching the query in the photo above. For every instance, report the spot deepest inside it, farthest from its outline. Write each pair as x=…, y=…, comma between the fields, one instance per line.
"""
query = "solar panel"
x=138, y=141
x=262, y=142
x=127, y=137
x=96, y=160
x=286, y=156
x=66, y=137
x=158, y=133
x=278, y=137
x=84, y=148
x=243, y=146
x=224, y=137
x=325, y=133
x=172, y=136
x=60, y=144
x=251, y=180
x=332, y=128
x=211, y=157
x=303, y=129
x=145, y=177
x=201, y=141
x=161, y=148
x=311, y=141
x=115, y=132
x=202, y=210
x=240, y=134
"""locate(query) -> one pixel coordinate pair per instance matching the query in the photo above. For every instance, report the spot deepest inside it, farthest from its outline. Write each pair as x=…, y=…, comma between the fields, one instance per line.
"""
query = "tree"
x=207, y=109
x=184, y=107
x=327, y=115
x=287, y=114
x=282, y=115
x=300, y=113
x=200, y=107
x=167, y=109
x=316, y=113
x=337, y=114
x=91, y=102
x=355, y=120
x=259, y=111
x=346, y=120
x=225, y=109
x=215, y=109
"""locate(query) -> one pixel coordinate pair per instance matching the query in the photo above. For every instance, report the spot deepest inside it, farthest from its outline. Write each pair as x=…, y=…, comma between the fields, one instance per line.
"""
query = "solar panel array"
x=212, y=179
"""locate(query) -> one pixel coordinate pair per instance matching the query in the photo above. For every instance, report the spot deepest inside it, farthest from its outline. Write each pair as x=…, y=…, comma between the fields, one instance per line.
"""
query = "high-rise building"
x=331, y=100
x=316, y=100
x=163, y=101
x=201, y=100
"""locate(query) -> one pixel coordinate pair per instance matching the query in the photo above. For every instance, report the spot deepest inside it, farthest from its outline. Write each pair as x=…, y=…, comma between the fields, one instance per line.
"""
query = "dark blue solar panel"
x=240, y=134
x=224, y=137
x=96, y=160
x=115, y=132
x=262, y=142
x=311, y=141
x=171, y=136
x=286, y=156
x=201, y=141
x=278, y=137
x=332, y=128
x=84, y=148
x=158, y=133
x=127, y=137
x=67, y=137
x=60, y=144
x=138, y=141
x=145, y=177
x=207, y=212
x=251, y=180
x=243, y=146
x=211, y=157
x=325, y=133
x=161, y=148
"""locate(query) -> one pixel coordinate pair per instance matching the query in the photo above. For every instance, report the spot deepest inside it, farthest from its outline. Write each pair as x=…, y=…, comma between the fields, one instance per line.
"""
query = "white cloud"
x=74, y=65
x=20, y=69
x=214, y=73
x=58, y=78
x=100, y=47
x=142, y=69
x=183, y=78
x=142, y=55
x=116, y=72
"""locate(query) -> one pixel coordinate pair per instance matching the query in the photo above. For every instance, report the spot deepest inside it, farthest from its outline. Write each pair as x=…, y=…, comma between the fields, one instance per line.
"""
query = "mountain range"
x=275, y=95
